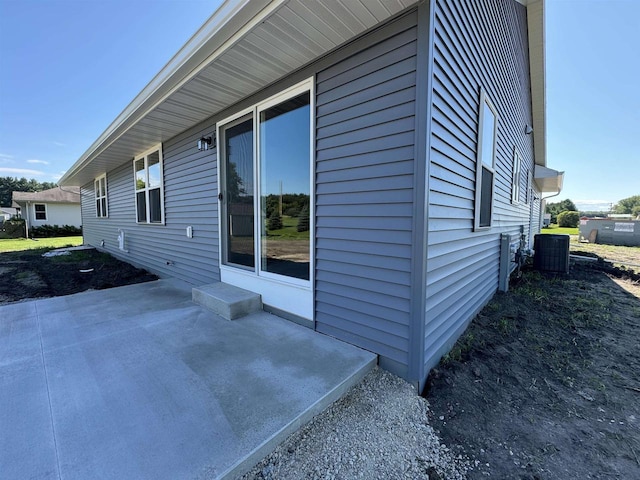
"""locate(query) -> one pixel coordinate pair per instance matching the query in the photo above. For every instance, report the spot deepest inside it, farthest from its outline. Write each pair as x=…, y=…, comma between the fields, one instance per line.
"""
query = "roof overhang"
x=548, y=180
x=537, y=71
x=245, y=46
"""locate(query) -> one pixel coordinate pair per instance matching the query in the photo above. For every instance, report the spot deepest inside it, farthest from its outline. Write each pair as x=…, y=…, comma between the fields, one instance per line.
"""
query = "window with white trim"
x=485, y=163
x=149, y=188
x=515, y=182
x=100, y=189
x=40, y=210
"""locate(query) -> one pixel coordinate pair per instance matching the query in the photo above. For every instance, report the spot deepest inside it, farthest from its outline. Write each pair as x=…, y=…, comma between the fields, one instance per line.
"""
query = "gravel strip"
x=379, y=430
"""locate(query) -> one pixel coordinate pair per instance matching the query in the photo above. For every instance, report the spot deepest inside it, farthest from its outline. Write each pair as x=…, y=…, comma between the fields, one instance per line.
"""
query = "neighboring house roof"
x=9, y=210
x=247, y=45
x=53, y=195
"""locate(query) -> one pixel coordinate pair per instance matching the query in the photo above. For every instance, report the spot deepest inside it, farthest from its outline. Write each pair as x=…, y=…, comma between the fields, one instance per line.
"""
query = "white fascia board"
x=223, y=29
x=537, y=71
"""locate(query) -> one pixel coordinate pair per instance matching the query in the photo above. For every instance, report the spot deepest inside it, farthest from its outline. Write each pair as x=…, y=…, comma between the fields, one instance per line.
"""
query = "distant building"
x=610, y=231
x=55, y=206
x=7, y=213
x=620, y=216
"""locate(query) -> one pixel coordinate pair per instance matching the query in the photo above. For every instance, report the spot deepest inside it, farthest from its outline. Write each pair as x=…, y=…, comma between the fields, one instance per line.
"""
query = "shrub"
x=569, y=218
x=14, y=228
x=275, y=221
x=303, y=220
x=48, y=231
x=291, y=212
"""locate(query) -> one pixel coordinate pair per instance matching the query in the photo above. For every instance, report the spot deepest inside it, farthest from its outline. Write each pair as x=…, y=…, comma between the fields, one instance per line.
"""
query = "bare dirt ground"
x=545, y=383
x=625, y=257
x=27, y=274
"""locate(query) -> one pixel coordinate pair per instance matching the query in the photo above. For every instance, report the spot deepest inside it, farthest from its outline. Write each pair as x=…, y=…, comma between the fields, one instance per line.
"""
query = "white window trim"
x=276, y=290
x=96, y=181
x=35, y=213
x=517, y=175
x=145, y=155
x=481, y=163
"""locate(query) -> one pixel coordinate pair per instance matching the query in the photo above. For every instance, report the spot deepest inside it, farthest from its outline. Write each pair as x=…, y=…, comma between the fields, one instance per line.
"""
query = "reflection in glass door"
x=238, y=193
x=265, y=162
x=285, y=187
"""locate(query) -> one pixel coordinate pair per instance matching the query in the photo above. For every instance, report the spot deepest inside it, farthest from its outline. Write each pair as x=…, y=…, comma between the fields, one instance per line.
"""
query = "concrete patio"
x=139, y=382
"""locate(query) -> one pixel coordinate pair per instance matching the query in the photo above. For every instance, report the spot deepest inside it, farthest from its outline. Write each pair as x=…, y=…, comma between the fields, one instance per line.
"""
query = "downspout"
x=27, y=220
x=550, y=196
x=543, y=204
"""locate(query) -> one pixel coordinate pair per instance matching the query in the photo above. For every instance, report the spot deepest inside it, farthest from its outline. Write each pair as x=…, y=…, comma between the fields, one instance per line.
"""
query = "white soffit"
x=244, y=46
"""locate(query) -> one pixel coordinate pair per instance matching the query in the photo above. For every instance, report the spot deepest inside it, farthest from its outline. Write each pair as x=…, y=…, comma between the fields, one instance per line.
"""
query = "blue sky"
x=68, y=68
x=593, y=98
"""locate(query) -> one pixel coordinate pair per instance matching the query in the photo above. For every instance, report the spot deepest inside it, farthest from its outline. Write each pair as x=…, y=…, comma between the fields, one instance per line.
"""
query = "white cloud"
x=593, y=205
x=593, y=202
x=42, y=162
x=6, y=158
x=20, y=171
x=59, y=144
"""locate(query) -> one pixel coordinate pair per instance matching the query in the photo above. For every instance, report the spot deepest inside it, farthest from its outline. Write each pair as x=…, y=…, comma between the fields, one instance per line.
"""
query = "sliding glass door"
x=265, y=162
x=285, y=188
x=238, y=195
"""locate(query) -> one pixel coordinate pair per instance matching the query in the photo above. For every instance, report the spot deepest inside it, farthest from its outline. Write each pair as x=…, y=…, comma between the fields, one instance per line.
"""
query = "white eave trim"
x=548, y=180
x=537, y=71
x=227, y=24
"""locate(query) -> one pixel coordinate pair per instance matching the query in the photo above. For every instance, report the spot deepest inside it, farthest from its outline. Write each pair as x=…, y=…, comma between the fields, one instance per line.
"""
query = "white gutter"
x=548, y=180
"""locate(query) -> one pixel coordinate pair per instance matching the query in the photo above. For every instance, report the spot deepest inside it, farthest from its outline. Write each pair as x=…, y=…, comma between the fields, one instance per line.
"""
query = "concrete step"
x=227, y=300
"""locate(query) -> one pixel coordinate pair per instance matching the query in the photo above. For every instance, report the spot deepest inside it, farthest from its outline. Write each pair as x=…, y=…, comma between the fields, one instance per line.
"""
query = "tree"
x=628, y=205
x=569, y=218
x=275, y=221
x=11, y=184
x=234, y=183
x=303, y=220
x=555, y=208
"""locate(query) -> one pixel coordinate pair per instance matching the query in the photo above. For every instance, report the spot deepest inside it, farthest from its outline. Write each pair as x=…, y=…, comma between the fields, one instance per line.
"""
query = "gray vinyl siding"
x=365, y=135
x=190, y=199
x=477, y=45
x=536, y=215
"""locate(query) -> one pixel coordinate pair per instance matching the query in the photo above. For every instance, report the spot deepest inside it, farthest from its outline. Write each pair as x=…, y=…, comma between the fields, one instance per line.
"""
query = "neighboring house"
x=56, y=206
x=7, y=213
x=413, y=131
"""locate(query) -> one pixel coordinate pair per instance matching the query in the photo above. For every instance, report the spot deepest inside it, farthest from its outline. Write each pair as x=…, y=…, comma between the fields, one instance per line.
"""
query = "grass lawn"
x=19, y=244
x=616, y=254
x=555, y=229
x=288, y=230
